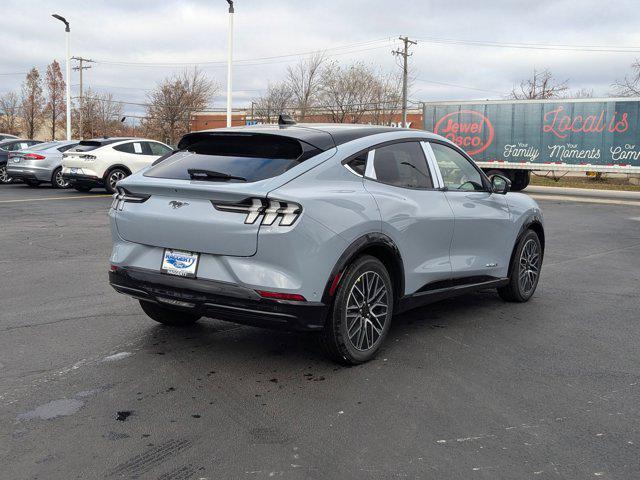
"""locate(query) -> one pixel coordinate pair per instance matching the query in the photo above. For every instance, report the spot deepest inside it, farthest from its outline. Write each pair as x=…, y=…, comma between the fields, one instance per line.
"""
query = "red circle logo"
x=466, y=129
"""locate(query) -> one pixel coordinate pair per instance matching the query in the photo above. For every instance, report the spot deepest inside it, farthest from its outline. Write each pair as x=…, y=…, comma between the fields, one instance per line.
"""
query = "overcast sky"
x=154, y=31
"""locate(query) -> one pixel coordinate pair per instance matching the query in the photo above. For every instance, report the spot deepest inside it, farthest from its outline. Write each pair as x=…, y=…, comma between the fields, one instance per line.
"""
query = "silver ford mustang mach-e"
x=328, y=228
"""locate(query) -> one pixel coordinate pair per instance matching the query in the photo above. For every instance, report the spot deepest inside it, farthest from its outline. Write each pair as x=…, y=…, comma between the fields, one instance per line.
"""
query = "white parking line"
x=569, y=198
x=22, y=200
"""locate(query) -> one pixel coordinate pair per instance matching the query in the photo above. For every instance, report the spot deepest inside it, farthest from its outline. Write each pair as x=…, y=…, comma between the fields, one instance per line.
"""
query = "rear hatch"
x=79, y=155
x=200, y=198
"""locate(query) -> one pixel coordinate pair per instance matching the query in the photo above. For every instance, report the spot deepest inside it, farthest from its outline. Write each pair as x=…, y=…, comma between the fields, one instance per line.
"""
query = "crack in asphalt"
x=52, y=322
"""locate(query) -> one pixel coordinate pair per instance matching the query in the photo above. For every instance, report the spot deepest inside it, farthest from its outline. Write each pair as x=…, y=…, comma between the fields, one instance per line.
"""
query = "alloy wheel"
x=367, y=309
x=529, y=266
x=115, y=177
x=4, y=177
x=60, y=181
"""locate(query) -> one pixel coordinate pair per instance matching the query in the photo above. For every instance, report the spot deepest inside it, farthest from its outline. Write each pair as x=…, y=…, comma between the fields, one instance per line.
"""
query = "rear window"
x=251, y=157
x=88, y=145
x=44, y=146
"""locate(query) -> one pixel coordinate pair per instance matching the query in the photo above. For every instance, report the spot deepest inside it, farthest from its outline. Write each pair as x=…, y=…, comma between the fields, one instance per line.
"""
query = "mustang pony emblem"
x=175, y=204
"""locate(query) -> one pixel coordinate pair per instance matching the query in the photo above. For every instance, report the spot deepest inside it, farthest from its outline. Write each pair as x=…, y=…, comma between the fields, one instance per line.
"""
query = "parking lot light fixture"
x=67, y=79
x=229, y=60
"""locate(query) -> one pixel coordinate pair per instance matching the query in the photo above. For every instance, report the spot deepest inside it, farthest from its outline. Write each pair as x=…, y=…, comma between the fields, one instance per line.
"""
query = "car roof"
x=18, y=140
x=320, y=135
x=102, y=141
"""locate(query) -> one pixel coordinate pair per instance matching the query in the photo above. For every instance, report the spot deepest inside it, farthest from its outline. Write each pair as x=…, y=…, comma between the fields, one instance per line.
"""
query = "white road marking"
x=116, y=356
x=23, y=200
x=569, y=198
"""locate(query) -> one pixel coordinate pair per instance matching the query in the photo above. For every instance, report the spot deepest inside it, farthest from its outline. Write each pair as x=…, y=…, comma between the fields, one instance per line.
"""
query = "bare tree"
x=172, y=102
x=101, y=115
x=541, y=85
x=630, y=85
x=387, y=99
x=32, y=102
x=581, y=93
x=304, y=81
x=275, y=101
x=348, y=92
x=56, y=96
x=10, y=113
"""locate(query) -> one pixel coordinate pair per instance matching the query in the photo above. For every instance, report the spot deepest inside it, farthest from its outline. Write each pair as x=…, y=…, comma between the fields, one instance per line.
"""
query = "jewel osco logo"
x=468, y=129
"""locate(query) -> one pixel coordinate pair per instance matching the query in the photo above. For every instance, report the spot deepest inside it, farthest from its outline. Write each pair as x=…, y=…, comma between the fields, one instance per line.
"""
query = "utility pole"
x=229, y=60
x=81, y=68
x=404, y=53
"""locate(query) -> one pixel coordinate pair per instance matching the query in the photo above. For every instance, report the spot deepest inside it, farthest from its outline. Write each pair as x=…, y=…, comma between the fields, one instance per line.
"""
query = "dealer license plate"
x=177, y=262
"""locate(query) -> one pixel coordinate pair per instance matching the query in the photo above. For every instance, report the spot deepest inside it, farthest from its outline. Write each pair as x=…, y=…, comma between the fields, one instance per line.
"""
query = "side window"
x=457, y=171
x=125, y=148
x=402, y=165
x=359, y=163
x=158, y=149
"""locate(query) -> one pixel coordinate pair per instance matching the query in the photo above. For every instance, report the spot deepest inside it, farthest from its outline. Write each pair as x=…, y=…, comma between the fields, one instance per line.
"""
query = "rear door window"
x=247, y=157
x=127, y=148
x=402, y=165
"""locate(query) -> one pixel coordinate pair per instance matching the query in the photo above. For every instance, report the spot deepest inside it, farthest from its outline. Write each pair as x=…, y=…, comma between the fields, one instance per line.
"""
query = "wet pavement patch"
x=53, y=409
x=115, y=436
x=122, y=415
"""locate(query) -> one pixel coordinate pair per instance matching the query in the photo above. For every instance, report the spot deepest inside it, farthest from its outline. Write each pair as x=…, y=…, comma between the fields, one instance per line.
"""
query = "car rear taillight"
x=270, y=210
x=292, y=297
x=123, y=196
x=34, y=156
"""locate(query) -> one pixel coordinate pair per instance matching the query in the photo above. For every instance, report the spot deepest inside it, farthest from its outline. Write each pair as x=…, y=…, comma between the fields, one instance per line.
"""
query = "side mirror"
x=500, y=184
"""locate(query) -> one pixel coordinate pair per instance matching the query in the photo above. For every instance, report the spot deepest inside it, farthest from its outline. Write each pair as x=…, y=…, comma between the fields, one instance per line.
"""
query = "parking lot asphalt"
x=470, y=388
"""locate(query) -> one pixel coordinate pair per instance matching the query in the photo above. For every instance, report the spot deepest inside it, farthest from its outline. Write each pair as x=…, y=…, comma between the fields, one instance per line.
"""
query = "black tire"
x=520, y=180
x=32, y=183
x=374, y=319
x=57, y=181
x=112, y=177
x=520, y=289
x=82, y=188
x=169, y=316
x=4, y=177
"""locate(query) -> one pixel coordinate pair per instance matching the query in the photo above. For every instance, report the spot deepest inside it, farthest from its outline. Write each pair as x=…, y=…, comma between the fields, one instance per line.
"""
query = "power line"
x=331, y=51
x=458, y=86
x=533, y=46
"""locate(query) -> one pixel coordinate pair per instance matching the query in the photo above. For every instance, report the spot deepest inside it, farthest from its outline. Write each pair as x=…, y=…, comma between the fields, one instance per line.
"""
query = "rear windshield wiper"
x=201, y=174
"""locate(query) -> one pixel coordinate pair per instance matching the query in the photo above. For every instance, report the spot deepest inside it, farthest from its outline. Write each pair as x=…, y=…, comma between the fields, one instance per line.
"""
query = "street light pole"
x=67, y=71
x=229, y=60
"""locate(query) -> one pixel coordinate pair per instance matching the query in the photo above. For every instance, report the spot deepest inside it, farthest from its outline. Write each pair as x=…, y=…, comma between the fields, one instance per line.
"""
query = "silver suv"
x=328, y=228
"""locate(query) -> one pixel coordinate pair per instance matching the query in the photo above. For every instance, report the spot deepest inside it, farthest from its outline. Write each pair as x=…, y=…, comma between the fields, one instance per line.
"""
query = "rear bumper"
x=27, y=173
x=83, y=180
x=215, y=299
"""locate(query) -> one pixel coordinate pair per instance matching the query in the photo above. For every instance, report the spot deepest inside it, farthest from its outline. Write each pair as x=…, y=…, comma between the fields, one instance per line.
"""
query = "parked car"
x=102, y=162
x=41, y=163
x=6, y=136
x=7, y=146
x=329, y=228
